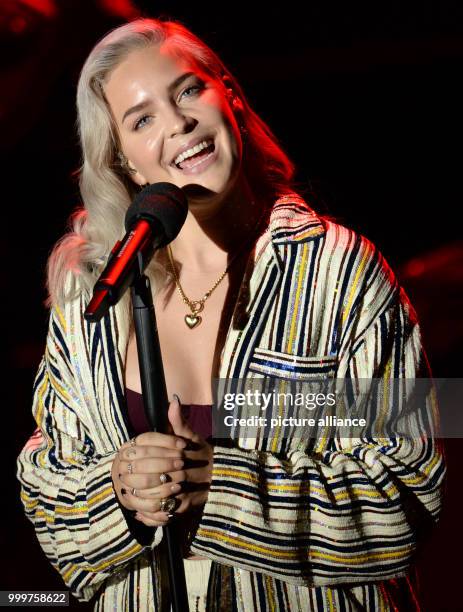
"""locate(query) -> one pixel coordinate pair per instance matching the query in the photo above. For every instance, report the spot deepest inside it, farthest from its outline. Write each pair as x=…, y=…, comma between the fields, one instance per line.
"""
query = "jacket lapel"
x=291, y=222
x=261, y=281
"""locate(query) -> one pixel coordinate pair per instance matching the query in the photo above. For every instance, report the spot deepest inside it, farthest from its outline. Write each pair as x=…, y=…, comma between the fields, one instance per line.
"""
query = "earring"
x=124, y=163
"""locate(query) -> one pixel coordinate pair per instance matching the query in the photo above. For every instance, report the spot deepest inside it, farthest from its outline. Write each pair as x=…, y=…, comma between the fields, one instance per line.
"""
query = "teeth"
x=190, y=152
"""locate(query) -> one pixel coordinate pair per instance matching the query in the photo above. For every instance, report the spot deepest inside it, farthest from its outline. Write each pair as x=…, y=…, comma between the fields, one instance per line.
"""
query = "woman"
x=267, y=523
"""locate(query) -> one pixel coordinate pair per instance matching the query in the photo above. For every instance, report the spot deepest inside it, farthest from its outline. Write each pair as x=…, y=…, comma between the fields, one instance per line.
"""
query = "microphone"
x=152, y=221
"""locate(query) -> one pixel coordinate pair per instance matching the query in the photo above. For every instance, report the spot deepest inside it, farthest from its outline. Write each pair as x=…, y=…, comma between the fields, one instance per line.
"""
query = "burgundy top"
x=199, y=416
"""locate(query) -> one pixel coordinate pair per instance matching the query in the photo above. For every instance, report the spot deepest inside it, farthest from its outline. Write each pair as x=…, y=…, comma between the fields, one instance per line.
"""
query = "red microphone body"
x=153, y=220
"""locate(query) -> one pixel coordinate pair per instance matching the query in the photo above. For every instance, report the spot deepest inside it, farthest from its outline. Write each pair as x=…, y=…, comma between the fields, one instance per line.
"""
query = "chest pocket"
x=292, y=367
x=287, y=377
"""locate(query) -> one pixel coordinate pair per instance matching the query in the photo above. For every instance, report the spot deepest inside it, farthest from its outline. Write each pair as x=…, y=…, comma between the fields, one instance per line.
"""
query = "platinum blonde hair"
x=106, y=188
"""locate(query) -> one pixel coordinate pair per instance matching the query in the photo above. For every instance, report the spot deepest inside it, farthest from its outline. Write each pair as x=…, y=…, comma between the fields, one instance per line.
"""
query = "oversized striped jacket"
x=330, y=526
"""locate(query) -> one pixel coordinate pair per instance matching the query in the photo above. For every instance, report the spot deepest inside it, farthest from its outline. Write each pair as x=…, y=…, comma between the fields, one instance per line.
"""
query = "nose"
x=177, y=122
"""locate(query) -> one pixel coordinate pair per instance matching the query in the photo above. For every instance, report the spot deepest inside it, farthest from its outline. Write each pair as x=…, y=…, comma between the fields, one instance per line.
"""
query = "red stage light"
x=123, y=9
x=415, y=267
x=47, y=8
x=17, y=25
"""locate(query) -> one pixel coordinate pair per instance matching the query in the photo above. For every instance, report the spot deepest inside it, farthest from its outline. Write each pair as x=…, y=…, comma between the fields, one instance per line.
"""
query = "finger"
x=155, y=438
x=179, y=423
x=164, y=490
x=156, y=452
x=150, y=481
x=169, y=429
x=150, y=465
x=157, y=519
x=143, y=505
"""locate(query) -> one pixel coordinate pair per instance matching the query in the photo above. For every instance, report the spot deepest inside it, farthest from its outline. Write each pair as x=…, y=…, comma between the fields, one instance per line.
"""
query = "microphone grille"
x=162, y=204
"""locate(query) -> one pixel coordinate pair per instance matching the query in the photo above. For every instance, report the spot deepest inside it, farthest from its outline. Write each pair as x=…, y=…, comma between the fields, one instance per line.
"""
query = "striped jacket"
x=330, y=525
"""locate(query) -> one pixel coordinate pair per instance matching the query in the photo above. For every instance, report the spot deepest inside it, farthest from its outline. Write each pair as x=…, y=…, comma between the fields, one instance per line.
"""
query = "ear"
x=136, y=176
x=237, y=104
x=130, y=169
x=234, y=100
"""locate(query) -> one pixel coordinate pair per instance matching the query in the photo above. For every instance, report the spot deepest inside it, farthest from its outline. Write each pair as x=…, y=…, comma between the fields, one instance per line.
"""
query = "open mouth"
x=195, y=156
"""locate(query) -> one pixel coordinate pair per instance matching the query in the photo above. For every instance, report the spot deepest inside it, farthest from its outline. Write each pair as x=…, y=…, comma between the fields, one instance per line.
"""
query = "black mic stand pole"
x=156, y=403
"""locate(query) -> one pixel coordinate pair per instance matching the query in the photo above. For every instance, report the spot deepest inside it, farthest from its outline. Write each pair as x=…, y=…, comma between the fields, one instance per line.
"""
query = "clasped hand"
x=183, y=455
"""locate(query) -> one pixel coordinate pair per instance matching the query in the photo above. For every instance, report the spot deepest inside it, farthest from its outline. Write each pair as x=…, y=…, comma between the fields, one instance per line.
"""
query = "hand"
x=153, y=454
x=197, y=471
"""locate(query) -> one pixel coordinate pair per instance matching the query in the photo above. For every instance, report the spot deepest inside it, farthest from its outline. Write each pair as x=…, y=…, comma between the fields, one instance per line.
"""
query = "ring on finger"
x=134, y=492
x=164, y=478
x=167, y=504
x=130, y=468
x=133, y=441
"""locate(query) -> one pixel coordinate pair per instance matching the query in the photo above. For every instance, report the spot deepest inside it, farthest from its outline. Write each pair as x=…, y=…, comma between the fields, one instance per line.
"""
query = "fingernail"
x=175, y=488
x=178, y=463
x=180, y=444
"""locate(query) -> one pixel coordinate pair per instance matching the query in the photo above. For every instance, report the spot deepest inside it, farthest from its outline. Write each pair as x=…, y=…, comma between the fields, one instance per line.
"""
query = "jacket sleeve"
x=66, y=486
x=347, y=512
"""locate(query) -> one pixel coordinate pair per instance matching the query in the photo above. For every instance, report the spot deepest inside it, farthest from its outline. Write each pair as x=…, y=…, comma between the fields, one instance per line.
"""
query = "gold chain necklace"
x=196, y=306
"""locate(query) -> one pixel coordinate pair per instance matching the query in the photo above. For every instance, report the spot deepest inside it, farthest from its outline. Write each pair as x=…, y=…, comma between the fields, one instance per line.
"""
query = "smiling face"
x=174, y=122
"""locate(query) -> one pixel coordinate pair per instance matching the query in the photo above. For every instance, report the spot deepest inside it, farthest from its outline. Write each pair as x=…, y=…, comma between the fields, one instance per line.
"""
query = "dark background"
x=365, y=97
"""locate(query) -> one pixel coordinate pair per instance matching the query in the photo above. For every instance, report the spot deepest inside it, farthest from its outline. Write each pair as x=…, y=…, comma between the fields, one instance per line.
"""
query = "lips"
x=190, y=144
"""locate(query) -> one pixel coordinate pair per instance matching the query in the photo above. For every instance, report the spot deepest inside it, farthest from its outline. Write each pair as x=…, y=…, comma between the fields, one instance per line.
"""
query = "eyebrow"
x=141, y=105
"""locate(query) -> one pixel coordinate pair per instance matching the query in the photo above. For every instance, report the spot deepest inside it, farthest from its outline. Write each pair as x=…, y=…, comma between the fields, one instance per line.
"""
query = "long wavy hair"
x=106, y=188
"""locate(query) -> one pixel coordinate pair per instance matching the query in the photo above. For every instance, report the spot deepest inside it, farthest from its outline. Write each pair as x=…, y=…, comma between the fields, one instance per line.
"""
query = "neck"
x=214, y=231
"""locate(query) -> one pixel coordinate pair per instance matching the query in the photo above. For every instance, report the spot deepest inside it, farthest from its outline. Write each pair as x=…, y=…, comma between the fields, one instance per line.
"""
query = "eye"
x=141, y=122
x=191, y=90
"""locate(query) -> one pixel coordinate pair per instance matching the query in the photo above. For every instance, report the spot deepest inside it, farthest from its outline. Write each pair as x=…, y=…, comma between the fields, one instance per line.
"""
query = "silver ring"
x=130, y=468
x=133, y=441
x=134, y=492
x=163, y=478
x=167, y=504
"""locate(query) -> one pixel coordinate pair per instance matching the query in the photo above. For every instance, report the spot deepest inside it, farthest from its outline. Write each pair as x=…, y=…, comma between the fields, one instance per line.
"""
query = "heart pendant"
x=192, y=320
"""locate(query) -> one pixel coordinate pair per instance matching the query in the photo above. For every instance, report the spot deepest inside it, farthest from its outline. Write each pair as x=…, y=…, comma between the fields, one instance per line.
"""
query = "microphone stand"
x=155, y=399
